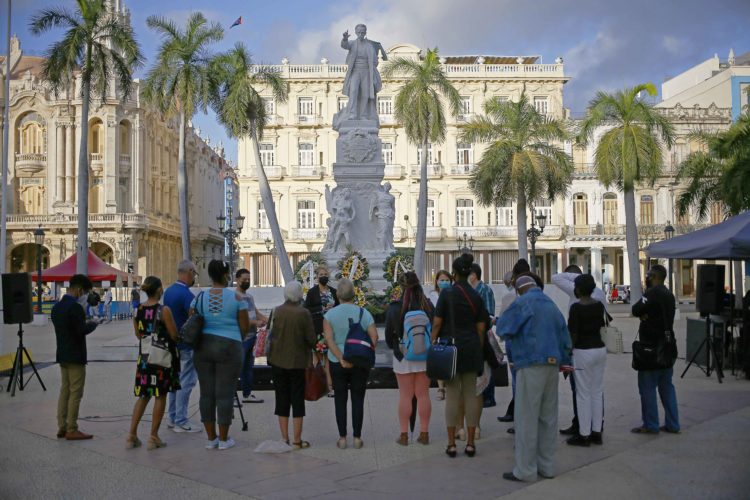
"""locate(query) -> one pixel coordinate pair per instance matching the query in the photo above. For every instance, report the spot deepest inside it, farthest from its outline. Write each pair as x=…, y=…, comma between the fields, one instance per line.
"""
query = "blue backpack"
x=358, y=349
x=416, y=339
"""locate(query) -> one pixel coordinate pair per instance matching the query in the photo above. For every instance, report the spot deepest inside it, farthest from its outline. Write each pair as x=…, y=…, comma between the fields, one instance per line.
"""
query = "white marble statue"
x=341, y=208
x=362, y=81
x=383, y=207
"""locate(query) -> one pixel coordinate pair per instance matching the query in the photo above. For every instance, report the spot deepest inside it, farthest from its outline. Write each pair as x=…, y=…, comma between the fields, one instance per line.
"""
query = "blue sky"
x=606, y=44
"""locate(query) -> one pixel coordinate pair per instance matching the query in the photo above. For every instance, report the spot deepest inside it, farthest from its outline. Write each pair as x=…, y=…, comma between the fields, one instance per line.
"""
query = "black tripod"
x=238, y=405
x=16, y=374
x=708, y=344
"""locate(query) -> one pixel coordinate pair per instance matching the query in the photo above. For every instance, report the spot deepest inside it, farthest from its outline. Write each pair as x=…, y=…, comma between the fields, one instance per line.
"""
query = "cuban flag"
x=236, y=23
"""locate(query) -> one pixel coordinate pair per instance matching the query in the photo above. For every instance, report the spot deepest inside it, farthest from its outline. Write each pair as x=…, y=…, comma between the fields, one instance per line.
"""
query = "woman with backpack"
x=158, y=367
x=337, y=324
x=460, y=315
x=410, y=362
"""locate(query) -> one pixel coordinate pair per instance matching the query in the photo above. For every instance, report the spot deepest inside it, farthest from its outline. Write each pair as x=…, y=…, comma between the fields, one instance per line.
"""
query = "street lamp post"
x=668, y=233
x=230, y=227
x=538, y=223
x=465, y=244
x=39, y=240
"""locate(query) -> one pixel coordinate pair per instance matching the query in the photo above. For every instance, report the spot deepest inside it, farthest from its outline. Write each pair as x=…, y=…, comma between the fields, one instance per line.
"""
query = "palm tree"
x=240, y=108
x=628, y=153
x=179, y=83
x=521, y=163
x=100, y=46
x=419, y=108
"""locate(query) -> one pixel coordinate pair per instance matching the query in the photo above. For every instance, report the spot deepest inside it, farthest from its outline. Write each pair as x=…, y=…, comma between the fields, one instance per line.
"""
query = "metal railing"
x=462, y=169
x=307, y=171
x=393, y=171
x=308, y=119
x=272, y=171
x=314, y=233
x=433, y=170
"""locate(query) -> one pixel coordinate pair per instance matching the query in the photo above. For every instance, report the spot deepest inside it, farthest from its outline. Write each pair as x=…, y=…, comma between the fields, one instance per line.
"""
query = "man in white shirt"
x=565, y=281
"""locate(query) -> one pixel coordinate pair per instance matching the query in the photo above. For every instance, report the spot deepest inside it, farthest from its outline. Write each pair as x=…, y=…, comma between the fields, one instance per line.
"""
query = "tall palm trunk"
x=182, y=189
x=523, y=242
x=82, y=248
x=631, y=241
x=267, y=197
x=421, y=243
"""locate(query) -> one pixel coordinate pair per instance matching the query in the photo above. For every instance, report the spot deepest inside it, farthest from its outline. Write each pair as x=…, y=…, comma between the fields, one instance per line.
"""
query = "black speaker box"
x=17, y=298
x=710, y=290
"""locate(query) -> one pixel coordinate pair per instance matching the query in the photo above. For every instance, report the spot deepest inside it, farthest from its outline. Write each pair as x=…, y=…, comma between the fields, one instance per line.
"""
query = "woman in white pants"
x=586, y=318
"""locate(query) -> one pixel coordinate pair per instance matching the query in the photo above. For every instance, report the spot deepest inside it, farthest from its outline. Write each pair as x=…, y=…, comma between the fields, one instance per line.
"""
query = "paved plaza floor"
x=709, y=459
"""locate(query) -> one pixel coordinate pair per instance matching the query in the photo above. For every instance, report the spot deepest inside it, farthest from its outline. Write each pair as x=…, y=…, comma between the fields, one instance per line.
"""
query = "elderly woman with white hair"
x=290, y=353
x=347, y=377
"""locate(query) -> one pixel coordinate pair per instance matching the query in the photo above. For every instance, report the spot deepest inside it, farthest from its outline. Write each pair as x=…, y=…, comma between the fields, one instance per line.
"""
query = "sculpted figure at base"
x=362, y=81
x=383, y=207
x=341, y=208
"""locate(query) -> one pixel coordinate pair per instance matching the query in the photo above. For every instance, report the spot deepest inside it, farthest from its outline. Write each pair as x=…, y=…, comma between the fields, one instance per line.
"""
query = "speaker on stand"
x=17, y=305
x=709, y=300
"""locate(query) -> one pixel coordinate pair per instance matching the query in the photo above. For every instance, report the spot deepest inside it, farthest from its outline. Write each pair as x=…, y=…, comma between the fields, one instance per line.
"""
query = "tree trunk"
x=182, y=190
x=631, y=240
x=421, y=240
x=267, y=197
x=523, y=242
x=82, y=248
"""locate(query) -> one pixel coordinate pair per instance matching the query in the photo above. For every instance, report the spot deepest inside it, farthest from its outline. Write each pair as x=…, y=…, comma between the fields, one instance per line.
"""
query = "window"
x=387, y=153
x=543, y=206
x=385, y=106
x=262, y=217
x=270, y=106
x=465, y=155
x=429, y=155
x=430, y=213
x=506, y=216
x=306, y=214
x=540, y=104
x=306, y=154
x=342, y=102
x=464, y=212
x=267, y=155
x=305, y=106
x=610, y=209
x=647, y=209
x=580, y=210
x=465, y=105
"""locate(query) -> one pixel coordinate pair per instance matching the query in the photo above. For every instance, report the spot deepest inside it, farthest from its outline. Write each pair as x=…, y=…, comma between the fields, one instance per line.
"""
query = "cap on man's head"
x=524, y=282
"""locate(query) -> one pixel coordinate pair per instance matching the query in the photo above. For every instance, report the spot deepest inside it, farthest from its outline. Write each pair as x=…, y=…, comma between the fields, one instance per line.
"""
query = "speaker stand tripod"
x=708, y=344
x=16, y=374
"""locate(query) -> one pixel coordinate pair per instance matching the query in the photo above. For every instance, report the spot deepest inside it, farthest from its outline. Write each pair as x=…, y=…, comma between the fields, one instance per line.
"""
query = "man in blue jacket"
x=71, y=328
x=541, y=346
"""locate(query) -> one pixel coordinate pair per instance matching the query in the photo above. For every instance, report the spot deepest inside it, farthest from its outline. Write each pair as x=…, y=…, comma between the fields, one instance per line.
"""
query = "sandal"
x=301, y=445
x=403, y=439
x=470, y=450
x=132, y=441
x=424, y=438
x=450, y=450
x=154, y=443
x=643, y=430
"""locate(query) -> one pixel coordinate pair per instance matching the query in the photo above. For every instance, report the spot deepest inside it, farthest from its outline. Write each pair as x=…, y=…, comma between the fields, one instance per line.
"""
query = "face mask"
x=84, y=300
x=244, y=286
x=323, y=280
x=444, y=284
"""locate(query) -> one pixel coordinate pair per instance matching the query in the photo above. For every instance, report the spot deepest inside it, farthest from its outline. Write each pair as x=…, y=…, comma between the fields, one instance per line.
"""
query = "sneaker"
x=570, y=431
x=212, y=444
x=579, y=440
x=188, y=427
x=251, y=399
x=596, y=437
x=225, y=445
x=170, y=424
x=358, y=443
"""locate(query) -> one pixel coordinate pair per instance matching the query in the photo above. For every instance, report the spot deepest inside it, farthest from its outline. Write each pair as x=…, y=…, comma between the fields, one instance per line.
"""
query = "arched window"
x=610, y=216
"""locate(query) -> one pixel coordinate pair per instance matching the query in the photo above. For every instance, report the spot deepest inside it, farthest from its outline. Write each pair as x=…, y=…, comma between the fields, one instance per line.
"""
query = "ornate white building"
x=134, y=217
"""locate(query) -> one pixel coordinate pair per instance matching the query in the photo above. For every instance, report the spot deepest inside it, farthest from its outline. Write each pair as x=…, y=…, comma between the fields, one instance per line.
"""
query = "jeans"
x=248, y=362
x=218, y=361
x=648, y=383
x=344, y=380
x=179, y=400
x=488, y=394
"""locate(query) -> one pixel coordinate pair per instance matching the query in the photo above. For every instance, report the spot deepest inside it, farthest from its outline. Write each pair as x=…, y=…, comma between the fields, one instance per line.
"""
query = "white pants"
x=589, y=374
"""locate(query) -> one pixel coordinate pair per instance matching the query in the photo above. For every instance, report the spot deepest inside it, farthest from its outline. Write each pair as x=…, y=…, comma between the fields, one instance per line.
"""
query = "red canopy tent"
x=98, y=270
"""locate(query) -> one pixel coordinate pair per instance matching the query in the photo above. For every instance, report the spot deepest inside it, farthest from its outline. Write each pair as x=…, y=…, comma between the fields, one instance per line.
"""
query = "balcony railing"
x=309, y=234
x=308, y=119
x=257, y=234
x=584, y=171
x=463, y=169
x=96, y=161
x=272, y=171
x=596, y=230
x=307, y=171
x=434, y=233
x=31, y=163
x=464, y=117
x=387, y=119
x=400, y=233
x=433, y=170
x=274, y=120
x=61, y=220
x=394, y=171
x=502, y=232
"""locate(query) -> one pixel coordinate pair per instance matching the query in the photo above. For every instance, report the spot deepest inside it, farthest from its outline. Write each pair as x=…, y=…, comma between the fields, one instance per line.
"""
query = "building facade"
x=133, y=210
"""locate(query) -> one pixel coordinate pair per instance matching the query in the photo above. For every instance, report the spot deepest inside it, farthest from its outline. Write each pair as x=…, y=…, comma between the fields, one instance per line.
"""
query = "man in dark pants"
x=71, y=328
x=257, y=319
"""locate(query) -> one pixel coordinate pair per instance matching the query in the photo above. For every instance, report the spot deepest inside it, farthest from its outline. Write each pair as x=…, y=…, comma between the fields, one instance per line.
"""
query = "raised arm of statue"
x=345, y=41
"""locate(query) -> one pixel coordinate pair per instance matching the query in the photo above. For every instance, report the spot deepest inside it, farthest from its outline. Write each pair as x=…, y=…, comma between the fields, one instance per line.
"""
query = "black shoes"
x=505, y=418
x=596, y=437
x=570, y=431
x=511, y=477
x=579, y=440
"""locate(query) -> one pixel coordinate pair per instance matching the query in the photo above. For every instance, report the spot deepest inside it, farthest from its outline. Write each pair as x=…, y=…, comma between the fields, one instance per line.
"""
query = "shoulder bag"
x=192, y=331
x=611, y=335
x=157, y=349
x=658, y=356
x=442, y=356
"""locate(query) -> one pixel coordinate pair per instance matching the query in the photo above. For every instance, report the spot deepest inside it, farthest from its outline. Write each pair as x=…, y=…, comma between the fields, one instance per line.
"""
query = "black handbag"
x=192, y=331
x=441, y=360
x=659, y=356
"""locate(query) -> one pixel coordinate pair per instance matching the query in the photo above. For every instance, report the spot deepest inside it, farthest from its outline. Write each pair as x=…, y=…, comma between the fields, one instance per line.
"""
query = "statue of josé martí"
x=362, y=81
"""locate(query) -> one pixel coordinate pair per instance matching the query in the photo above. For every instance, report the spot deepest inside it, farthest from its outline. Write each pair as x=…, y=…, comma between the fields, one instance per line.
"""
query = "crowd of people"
x=315, y=329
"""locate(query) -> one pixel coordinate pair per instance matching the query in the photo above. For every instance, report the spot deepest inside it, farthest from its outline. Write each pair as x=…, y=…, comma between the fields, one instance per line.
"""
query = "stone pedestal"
x=359, y=193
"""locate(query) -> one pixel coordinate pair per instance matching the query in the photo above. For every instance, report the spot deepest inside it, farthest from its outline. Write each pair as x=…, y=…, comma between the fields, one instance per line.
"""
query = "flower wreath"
x=301, y=272
x=345, y=267
x=389, y=266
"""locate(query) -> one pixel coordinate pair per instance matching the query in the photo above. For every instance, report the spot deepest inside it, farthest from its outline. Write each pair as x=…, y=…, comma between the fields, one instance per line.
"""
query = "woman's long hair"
x=413, y=298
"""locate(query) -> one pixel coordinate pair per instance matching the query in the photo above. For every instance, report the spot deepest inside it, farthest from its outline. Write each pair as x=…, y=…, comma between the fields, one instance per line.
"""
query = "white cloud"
x=672, y=44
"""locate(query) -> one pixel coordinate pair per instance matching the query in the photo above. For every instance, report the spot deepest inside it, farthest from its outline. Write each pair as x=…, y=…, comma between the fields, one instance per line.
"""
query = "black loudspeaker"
x=17, y=298
x=710, y=294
